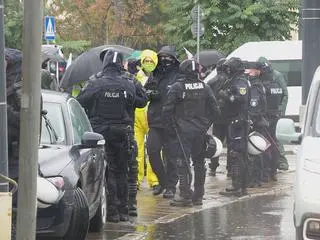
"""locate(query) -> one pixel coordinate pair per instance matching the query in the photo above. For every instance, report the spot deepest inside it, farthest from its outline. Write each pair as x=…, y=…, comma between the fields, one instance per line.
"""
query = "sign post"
x=197, y=28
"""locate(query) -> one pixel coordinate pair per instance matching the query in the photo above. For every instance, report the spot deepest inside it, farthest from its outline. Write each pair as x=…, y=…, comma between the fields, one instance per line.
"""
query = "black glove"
x=223, y=94
x=153, y=95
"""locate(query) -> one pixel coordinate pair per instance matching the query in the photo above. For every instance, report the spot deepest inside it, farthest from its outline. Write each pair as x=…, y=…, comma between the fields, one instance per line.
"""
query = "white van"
x=286, y=57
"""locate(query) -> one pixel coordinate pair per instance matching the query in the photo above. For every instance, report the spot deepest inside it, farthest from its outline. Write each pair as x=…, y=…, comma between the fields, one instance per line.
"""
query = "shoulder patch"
x=243, y=91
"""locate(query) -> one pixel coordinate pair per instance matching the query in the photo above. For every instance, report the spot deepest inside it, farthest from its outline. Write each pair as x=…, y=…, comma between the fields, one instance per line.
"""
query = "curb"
x=214, y=203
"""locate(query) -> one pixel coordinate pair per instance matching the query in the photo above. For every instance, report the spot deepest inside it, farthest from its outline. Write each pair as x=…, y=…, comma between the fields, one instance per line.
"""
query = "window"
x=55, y=118
x=79, y=119
x=291, y=69
x=315, y=124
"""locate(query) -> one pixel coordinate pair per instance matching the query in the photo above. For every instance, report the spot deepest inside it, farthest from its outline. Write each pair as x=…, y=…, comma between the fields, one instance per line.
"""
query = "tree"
x=13, y=23
x=107, y=21
x=228, y=24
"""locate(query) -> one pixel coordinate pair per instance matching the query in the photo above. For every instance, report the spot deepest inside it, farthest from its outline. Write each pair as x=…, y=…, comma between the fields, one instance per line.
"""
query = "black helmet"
x=189, y=66
x=111, y=56
x=234, y=65
x=220, y=63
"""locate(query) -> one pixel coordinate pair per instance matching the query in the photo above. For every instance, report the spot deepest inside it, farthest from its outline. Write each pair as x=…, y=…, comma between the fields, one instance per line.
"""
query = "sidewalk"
x=156, y=210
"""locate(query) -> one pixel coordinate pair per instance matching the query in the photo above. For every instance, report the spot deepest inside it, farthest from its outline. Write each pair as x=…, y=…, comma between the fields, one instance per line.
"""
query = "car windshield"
x=55, y=117
x=291, y=69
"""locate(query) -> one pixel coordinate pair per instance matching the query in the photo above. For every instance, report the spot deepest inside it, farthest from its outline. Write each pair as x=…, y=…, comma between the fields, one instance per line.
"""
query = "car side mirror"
x=92, y=140
x=286, y=132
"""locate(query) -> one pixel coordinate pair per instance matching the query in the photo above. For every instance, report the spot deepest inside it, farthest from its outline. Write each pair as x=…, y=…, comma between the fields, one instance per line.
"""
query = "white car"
x=306, y=194
x=286, y=57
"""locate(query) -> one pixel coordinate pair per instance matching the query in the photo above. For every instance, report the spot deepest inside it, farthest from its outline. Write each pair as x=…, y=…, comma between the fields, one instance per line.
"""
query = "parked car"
x=306, y=195
x=286, y=57
x=71, y=189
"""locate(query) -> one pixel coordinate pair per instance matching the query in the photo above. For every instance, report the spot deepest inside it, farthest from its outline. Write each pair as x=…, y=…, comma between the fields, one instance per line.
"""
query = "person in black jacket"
x=236, y=96
x=110, y=100
x=220, y=125
x=162, y=155
x=188, y=112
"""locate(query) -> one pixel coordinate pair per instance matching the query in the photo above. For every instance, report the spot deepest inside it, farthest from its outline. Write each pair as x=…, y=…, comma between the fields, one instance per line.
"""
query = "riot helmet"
x=214, y=146
x=257, y=143
x=233, y=66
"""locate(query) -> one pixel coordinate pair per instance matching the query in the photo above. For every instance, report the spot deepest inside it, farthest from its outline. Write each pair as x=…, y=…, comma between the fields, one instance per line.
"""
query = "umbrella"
x=52, y=53
x=209, y=57
x=87, y=64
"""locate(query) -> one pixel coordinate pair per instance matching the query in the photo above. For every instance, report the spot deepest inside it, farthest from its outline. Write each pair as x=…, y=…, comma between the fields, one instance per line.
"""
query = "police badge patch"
x=243, y=91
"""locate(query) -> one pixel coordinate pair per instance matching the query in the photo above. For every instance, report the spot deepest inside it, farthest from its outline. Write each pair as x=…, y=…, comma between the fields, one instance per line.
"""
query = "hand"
x=223, y=94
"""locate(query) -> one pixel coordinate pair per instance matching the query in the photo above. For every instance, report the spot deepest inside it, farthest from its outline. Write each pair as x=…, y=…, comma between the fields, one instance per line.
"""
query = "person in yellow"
x=149, y=61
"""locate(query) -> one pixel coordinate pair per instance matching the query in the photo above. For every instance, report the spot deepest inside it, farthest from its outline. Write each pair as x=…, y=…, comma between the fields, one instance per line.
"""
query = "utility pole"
x=4, y=186
x=30, y=120
x=310, y=43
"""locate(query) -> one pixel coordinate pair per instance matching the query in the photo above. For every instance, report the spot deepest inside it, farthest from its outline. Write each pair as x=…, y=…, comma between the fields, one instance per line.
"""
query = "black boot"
x=213, y=166
x=180, y=201
x=197, y=201
x=113, y=215
x=132, y=209
x=123, y=214
x=157, y=190
x=169, y=193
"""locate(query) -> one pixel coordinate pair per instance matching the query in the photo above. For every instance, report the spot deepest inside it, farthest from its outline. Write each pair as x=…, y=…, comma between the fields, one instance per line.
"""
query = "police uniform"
x=274, y=94
x=220, y=126
x=110, y=100
x=190, y=107
x=257, y=110
x=236, y=95
x=141, y=97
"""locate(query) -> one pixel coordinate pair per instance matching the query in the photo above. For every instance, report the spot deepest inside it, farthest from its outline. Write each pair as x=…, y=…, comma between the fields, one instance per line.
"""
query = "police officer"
x=162, y=154
x=277, y=98
x=141, y=96
x=235, y=94
x=220, y=126
x=190, y=107
x=257, y=111
x=110, y=101
x=282, y=81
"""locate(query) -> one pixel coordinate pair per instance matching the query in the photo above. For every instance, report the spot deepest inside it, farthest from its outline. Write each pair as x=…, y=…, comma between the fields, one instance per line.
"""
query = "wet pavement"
x=265, y=217
x=219, y=218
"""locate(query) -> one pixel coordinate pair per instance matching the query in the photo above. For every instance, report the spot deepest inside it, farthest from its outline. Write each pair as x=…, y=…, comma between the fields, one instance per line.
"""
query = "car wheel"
x=78, y=227
x=299, y=233
x=99, y=219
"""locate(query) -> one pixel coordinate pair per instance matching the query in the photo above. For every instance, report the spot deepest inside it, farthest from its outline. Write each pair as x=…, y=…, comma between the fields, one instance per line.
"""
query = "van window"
x=291, y=70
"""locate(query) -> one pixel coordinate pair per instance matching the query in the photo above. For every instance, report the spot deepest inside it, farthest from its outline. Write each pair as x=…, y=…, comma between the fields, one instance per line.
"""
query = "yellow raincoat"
x=141, y=124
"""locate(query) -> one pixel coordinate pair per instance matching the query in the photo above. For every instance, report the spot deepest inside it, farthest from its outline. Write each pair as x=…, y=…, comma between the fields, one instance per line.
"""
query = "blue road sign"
x=49, y=28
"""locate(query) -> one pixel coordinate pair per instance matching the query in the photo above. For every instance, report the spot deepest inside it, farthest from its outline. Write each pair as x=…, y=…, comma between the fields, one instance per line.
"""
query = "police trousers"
x=163, y=157
x=237, y=144
x=118, y=157
x=191, y=144
x=272, y=155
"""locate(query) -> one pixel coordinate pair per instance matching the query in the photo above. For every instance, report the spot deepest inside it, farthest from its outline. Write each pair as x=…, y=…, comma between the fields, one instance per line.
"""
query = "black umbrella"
x=87, y=64
x=209, y=57
x=51, y=52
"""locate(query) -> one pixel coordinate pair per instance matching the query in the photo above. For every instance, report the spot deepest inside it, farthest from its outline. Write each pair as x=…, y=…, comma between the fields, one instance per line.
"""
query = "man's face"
x=253, y=72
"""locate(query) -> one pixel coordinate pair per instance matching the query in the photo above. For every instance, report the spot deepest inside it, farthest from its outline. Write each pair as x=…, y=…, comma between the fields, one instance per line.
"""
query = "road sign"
x=195, y=15
x=194, y=29
x=49, y=28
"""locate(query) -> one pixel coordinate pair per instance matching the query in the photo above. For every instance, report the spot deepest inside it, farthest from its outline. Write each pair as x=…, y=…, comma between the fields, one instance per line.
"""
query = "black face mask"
x=166, y=63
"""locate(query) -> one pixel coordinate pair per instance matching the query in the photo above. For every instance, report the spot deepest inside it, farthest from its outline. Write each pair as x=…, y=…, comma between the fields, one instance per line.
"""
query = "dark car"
x=72, y=158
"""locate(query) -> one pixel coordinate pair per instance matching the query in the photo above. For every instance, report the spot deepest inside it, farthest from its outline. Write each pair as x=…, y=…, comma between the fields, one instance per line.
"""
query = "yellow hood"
x=151, y=54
